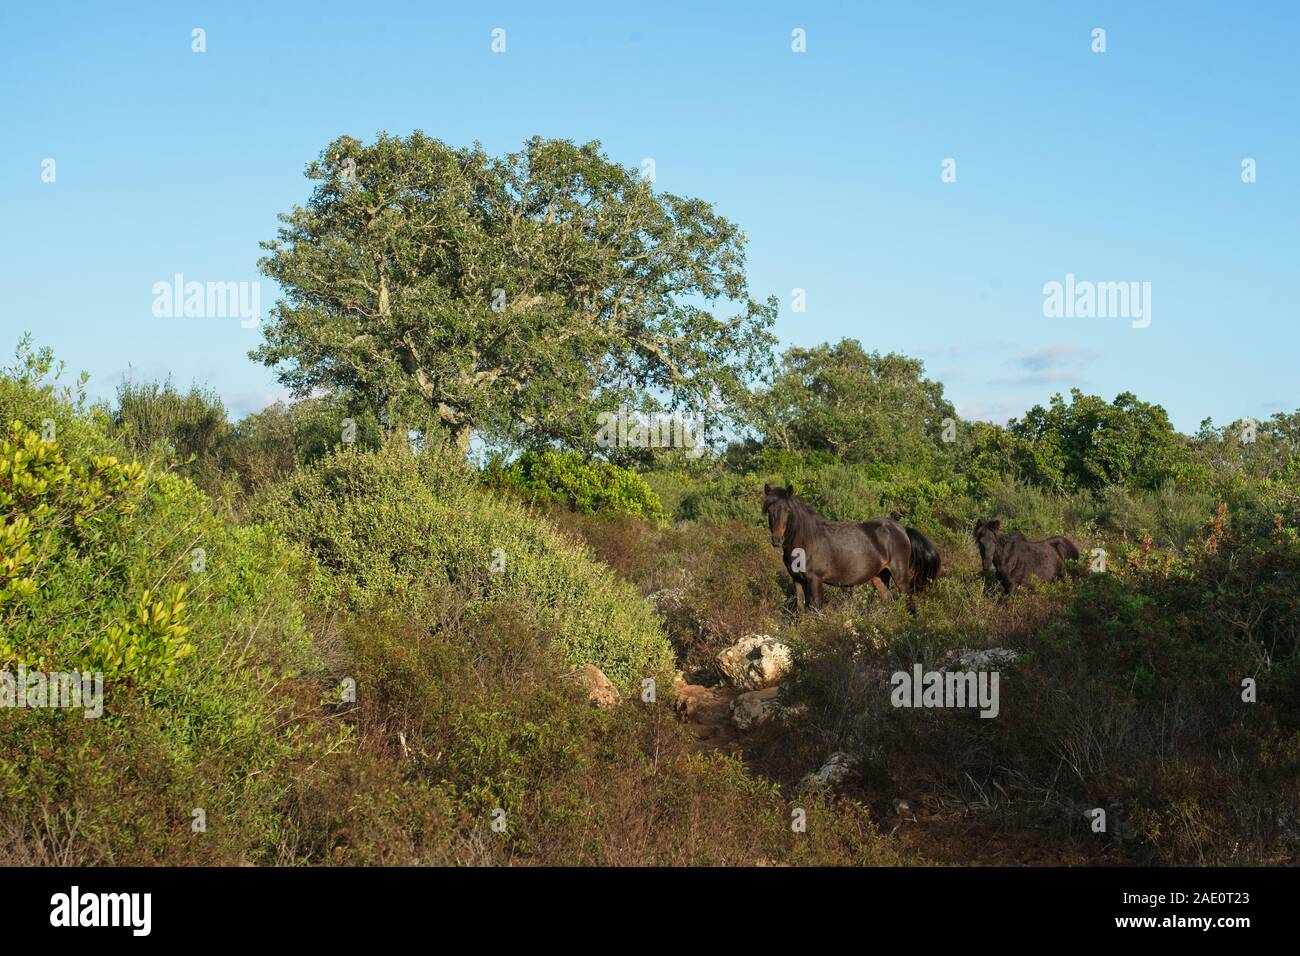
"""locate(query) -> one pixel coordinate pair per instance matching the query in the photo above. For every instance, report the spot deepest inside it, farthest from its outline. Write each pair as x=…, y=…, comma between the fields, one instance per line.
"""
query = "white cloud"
x=1060, y=363
x=242, y=404
x=997, y=411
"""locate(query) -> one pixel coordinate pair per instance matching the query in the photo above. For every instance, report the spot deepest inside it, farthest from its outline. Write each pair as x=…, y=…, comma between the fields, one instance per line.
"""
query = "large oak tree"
x=507, y=294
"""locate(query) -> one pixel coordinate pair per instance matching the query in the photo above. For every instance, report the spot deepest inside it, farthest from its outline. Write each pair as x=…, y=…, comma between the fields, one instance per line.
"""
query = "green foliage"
x=268, y=445
x=840, y=492
x=30, y=391
x=856, y=406
x=148, y=647
x=989, y=456
x=52, y=514
x=844, y=493
x=189, y=434
x=417, y=531
x=188, y=430
x=81, y=526
x=1090, y=443
x=510, y=291
x=461, y=614
x=579, y=483
x=100, y=574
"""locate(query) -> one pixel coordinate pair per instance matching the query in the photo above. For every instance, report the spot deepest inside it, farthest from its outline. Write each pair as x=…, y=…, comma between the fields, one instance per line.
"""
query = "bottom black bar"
x=333, y=906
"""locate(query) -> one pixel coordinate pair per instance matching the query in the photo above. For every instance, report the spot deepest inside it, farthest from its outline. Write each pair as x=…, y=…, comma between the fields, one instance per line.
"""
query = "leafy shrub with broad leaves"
x=99, y=573
x=585, y=485
x=55, y=513
x=98, y=559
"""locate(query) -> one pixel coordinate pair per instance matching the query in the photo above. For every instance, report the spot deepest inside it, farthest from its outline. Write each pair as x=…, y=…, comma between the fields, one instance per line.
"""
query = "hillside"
x=370, y=652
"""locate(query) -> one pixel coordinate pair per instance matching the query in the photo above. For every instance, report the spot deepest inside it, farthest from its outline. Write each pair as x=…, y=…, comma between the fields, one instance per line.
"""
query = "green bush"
x=417, y=531
x=730, y=497
x=135, y=542
x=267, y=445
x=840, y=492
x=110, y=566
x=189, y=430
x=591, y=487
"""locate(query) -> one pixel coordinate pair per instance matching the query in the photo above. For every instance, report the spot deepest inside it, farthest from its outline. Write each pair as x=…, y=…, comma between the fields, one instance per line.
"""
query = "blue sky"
x=1115, y=166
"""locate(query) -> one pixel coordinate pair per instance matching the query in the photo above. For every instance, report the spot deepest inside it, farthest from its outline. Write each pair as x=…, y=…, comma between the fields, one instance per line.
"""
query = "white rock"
x=755, y=662
x=988, y=659
x=837, y=769
x=600, y=689
x=755, y=708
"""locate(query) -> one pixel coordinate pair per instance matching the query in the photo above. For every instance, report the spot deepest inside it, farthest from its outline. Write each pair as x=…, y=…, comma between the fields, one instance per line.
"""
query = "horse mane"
x=803, y=508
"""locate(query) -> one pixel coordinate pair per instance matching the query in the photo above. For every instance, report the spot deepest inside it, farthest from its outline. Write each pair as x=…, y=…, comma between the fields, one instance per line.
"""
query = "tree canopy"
x=860, y=407
x=510, y=295
x=1090, y=443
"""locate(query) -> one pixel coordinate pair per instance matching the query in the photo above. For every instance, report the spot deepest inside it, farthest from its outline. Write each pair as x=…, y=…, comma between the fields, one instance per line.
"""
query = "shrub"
x=730, y=498
x=267, y=445
x=101, y=572
x=132, y=541
x=489, y=721
x=712, y=584
x=417, y=531
x=189, y=430
x=584, y=485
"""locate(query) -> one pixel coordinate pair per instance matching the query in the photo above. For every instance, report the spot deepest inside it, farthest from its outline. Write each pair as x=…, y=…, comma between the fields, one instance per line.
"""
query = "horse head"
x=779, y=509
x=989, y=537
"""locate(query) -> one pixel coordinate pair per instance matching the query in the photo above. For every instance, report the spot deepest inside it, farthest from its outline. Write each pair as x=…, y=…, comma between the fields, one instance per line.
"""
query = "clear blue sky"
x=1118, y=166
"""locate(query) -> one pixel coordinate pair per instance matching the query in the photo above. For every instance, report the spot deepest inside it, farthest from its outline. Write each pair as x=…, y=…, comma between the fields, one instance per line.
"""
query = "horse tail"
x=925, y=559
x=1065, y=548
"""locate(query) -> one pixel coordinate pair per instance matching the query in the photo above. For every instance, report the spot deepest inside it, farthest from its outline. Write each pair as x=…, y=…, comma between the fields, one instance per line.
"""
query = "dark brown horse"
x=845, y=553
x=1013, y=560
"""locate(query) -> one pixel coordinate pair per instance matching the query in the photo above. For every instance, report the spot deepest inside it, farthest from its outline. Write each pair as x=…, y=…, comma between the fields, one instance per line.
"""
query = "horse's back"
x=1044, y=558
x=1066, y=548
x=883, y=526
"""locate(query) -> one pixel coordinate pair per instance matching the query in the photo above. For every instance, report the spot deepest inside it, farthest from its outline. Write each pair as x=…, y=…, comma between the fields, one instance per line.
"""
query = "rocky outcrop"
x=838, y=769
x=755, y=708
x=707, y=711
x=755, y=662
x=600, y=689
x=987, y=659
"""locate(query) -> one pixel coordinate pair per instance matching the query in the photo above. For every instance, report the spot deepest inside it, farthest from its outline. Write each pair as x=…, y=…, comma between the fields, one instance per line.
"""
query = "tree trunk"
x=460, y=435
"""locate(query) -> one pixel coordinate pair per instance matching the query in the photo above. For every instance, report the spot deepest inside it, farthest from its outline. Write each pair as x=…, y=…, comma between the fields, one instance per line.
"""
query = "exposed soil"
x=707, y=711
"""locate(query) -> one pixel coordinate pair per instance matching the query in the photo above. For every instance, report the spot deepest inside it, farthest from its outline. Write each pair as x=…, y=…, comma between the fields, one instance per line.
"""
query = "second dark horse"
x=845, y=553
x=1013, y=560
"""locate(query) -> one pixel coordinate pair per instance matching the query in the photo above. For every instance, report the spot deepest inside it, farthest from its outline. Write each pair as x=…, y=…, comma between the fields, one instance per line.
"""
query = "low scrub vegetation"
x=271, y=699
x=415, y=532
x=328, y=640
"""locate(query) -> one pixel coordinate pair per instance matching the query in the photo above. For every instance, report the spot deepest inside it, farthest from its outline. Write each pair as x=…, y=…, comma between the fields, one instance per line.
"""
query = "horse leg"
x=813, y=588
x=902, y=582
x=881, y=587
